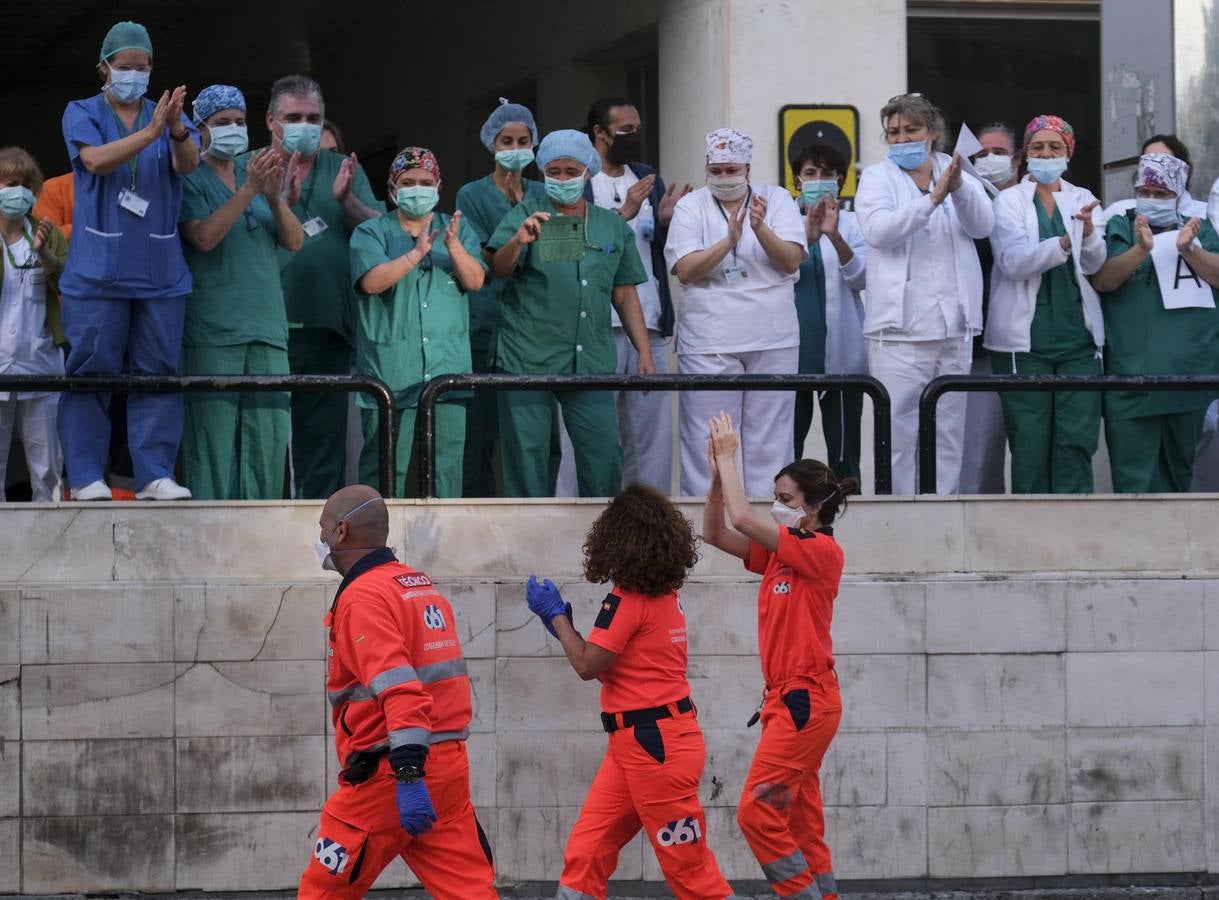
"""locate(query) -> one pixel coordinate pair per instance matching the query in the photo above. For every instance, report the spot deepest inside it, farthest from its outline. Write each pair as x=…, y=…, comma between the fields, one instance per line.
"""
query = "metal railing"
x=432, y=391
x=218, y=384
x=944, y=384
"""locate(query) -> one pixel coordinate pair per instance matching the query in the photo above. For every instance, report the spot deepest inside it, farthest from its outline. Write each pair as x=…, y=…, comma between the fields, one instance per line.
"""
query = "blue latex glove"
x=546, y=602
x=415, y=810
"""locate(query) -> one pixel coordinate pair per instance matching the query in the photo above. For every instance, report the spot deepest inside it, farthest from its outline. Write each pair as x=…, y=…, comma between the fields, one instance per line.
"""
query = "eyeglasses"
x=900, y=97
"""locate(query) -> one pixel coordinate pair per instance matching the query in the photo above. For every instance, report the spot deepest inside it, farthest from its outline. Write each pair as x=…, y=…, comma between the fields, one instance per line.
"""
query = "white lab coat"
x=845, y=350
x=891, y=209
x=1021, y=257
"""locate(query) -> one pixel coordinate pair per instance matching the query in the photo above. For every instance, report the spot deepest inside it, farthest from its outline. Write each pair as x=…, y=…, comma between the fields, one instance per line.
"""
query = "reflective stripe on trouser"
x=634, y=789
x=780, y=812
x=359, y=835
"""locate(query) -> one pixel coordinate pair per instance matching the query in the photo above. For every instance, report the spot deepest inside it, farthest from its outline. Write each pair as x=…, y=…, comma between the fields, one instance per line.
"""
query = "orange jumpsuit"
x=396, y=677
x=654, y=761
x=780, y=812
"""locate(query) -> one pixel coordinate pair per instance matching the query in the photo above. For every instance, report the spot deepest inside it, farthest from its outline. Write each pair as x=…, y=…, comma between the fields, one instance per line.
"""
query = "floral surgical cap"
x=414, y=158
x=727, y=145
x=1057, y=124
x=214, y=98
x=1162, y=170
x=506, y=114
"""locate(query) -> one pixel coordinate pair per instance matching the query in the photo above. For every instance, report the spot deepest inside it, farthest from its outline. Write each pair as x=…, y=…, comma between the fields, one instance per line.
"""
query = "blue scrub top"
x=115, y=254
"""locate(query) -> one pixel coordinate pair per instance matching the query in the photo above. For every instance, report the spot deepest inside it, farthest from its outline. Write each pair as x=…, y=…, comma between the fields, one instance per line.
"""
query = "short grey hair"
x=295, y=86
x=1002, y=128
x=919, y=109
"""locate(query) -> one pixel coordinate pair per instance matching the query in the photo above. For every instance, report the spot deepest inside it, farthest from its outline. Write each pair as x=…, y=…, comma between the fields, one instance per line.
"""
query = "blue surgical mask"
x=565, y=192
x=813, y=189
x=227, y=141
x=514, y=160
x=909, y=155
x=1159, y=213
x=418, y=200
x=302, y=137
x=16, y=201
x=1047, y=171
x=127, y=85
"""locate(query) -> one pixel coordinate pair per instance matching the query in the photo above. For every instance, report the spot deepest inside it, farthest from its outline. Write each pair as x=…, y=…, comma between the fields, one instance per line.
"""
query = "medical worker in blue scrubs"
x=125, y=283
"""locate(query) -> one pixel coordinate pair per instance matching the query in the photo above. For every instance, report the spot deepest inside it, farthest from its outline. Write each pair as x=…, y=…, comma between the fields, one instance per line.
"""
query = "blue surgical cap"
x=214, y=98
x=126, y=36
x=568, y=143
x=506, y=114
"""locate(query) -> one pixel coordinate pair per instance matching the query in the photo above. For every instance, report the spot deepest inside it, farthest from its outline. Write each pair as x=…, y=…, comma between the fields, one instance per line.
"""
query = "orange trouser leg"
x=808, y=826
x=359, y=835
x=607, y=821
x=798, y=723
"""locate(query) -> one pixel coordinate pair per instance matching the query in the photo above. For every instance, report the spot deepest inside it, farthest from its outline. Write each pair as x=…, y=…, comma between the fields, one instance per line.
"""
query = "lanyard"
x=307, y=193
x=724, y=213
x=12, y=260
x=134, y=163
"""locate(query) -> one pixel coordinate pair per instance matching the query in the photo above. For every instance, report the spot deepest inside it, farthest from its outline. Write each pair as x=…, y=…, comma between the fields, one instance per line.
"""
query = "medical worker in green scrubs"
x=233, y=220
x=1152, y=436
x=510, y=134
x=567, y=261
x=413, y=270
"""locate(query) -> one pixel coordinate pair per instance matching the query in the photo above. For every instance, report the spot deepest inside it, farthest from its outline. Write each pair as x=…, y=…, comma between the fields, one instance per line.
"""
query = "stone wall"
x=1031, y=689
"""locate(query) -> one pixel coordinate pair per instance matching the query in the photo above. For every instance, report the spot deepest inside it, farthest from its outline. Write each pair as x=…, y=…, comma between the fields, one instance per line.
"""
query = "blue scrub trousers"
x=103, y=335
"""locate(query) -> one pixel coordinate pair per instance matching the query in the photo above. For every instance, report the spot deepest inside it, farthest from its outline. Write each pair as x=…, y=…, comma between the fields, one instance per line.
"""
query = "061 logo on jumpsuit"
x=333, y=856
x=683, y=831
x=433, y=618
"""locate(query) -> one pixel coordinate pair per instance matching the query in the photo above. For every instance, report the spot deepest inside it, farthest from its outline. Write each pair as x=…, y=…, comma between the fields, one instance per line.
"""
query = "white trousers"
x=904, y=368
x=984, y=457
x=645, y=424
x=765, y=420
x=34, y=422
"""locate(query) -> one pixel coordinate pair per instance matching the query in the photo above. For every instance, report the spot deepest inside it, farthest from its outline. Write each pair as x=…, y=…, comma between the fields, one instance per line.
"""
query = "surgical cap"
x=126, y=36
x=1057, y=124
x=727, y=145
x=506, y=114
x=214, y=98
x=415, y=158
x=1162, y=170
x=567, y=143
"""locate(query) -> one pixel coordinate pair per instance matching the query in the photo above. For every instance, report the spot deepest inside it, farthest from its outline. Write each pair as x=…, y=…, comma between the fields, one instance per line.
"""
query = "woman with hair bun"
x=780, y=812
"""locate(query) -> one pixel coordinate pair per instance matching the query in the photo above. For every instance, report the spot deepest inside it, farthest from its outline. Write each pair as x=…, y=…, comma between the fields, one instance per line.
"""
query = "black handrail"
x=426, y=426
x=174, y=384
x=944, y=384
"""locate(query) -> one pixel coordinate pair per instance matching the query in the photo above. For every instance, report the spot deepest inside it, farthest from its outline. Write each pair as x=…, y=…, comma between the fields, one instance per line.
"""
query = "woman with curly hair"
x=649, y=778
x=780, y=812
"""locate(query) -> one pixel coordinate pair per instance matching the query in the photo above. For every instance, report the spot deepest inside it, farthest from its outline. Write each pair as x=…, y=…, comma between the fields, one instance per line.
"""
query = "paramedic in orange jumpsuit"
x=400, y=701
x=780, y=812
x=644, y=547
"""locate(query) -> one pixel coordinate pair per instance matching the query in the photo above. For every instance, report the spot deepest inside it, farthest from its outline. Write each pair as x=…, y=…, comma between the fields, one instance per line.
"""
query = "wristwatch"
x=409, y=774
x=181, y=139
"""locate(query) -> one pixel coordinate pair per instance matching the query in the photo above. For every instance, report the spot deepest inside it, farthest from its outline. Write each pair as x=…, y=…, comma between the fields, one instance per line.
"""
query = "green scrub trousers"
x=591, y=417
x=450, y=442
x=319, y=421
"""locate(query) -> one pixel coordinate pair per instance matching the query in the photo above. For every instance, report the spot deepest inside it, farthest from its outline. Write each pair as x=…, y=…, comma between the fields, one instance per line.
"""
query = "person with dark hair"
x=920, y=214
x=332, y=138
x=330, y=194
x=998, y=161
x=828, y=304
x=1189, y=207
x=780, y=812
x=644, y=547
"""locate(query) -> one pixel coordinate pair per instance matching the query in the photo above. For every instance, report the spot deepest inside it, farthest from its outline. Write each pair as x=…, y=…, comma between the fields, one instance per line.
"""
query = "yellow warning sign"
x=801, y=124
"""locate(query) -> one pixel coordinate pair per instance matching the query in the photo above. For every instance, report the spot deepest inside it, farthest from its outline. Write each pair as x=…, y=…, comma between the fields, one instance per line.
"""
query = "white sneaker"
x=96, y=490
x=163, y=489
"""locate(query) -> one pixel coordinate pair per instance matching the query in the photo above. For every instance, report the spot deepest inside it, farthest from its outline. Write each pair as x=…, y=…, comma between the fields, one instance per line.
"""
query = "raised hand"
x=160, y=116
x=668, y=202
x=546, y=602
x=1142, y=233
x=812, y=222
x=264, y=172
x=1187, y=235
x=41, y=234
x=716, y=491
x=531, y=228
x=829, y=216
x=950, y=180
x=635, y=195
x=724, y=439
x=736, y=222
x=1085, y=216
x=173, y=111
x=452, y=233
x=515, y=185
x=757, y=212
x=291, y=190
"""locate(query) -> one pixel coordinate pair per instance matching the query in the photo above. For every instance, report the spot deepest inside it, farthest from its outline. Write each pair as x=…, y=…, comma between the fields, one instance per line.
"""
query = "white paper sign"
x=1180, y=286
x=967, y=145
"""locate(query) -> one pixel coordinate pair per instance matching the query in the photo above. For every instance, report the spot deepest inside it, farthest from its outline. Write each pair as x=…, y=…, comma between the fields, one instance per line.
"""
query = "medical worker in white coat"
x=921, y=215
x=736, y=247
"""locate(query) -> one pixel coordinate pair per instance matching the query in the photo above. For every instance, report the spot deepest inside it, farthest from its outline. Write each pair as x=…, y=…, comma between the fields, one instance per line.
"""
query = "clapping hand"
x=1085, y=216
x=1188, y=234
x=452, y=237
x=736, y=222
x=173, y=109
x=950, y=180
x=1142, y=233
x=757, y=212
x=41, y=235
x=668, y=203
x=724, y=439
x=635, y=195
x=264, y=172
x=427, y=237
x=546, y=602
x=345, y=178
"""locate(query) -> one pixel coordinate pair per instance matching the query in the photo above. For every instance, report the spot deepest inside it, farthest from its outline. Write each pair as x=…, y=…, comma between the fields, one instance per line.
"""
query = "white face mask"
x=728, y=187
x=785, y=515
x=322, y=549
x=995, y=168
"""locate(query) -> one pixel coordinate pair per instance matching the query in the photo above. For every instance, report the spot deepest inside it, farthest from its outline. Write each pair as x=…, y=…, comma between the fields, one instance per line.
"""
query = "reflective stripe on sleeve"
x=391, y=678
x=349, y=695
x=450, y=668
x=826, y=882
x=788, y=867
x=440, y=737
x=404, y=736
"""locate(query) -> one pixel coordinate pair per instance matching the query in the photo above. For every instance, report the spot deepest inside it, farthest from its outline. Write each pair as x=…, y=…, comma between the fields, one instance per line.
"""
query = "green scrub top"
x=810, y=311
x=555, y=316
x=1058, y=331
x=1144, y=338
x=236, y=297
x=420, y=327
x=317, y=289
x=484, y=206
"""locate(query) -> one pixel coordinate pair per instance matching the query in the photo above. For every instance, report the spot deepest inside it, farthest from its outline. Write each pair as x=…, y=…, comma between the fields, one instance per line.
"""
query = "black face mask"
x=626, y=148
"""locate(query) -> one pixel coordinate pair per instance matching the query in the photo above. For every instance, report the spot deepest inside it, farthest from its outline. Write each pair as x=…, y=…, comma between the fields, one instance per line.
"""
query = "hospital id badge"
x=133, y=203
x=735, y=274
x=561, y=240
x=314, y=226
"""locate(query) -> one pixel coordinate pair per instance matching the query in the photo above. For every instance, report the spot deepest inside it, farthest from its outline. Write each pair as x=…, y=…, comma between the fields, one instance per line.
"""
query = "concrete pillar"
x=737, y=62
